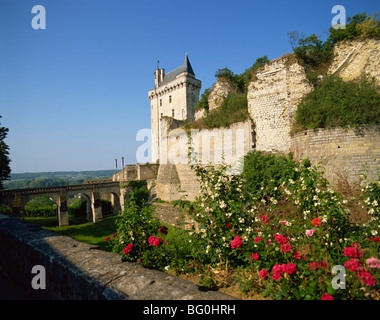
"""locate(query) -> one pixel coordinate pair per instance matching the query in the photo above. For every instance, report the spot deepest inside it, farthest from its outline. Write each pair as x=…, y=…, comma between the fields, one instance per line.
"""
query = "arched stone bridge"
x=18, y=198
x=92, y=190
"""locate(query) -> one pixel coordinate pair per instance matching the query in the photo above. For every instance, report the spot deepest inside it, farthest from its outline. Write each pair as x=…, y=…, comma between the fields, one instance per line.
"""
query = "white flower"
x=374, y=232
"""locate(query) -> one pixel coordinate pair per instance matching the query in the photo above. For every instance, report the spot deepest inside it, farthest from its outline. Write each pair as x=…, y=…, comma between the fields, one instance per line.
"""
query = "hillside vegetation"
x=332, y=103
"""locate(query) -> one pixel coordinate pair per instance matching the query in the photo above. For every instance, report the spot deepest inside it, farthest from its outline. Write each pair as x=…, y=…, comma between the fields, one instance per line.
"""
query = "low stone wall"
x=76, y=271
x=344, y=153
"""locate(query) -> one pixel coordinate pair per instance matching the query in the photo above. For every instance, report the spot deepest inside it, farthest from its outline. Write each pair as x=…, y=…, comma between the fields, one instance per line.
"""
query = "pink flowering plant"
x=280, y=228
x=282, y=257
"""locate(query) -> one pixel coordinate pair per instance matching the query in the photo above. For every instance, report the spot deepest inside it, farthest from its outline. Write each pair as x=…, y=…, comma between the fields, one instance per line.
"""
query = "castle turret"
x=175, y=95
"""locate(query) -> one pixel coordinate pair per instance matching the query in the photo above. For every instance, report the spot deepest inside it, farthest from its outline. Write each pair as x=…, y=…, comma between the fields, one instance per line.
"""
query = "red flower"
x=290, y=268
x=263, y=273
x=366, y=277
x=286, y=247
x=264, y=219
x=157, y=241
x=316, y=222
x=151, y=239
x=354, y=252
x=163, y=230
x=236, y=243
x=277, y=271
x=257, y=239
x=376, y=239
x=281, y=239
x=114, y=235
x=326, y=296
x=353, y=264
x=106, y=239
x=128, y=248
x=254, y=256
x=228, y=225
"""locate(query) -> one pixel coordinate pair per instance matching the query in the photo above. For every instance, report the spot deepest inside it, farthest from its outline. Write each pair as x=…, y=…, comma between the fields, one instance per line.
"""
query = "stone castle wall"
x=344, y=153
x=217, y=146
x=273, y=96
x=272, y=101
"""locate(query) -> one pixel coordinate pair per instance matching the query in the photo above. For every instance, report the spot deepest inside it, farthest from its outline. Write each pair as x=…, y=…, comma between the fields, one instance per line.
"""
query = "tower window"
x=161, y=114
x=170, y=99
x=172, y=112
x=160, y=102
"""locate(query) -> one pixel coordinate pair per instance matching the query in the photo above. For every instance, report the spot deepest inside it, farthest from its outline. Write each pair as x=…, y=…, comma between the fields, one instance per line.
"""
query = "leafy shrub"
x=134, y=225
x=358, y=26
x=233, y=109
x=203, y=101
x=262, y=169
x=241, y=231
x=335, y=102
x=139, y=192
x=41, y=207
x=315, y=55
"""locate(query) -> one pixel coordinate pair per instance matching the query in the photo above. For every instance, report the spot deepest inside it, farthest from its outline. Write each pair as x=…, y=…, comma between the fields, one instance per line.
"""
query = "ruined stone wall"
x=272, y=101
x=344, y=153
x=216, y=146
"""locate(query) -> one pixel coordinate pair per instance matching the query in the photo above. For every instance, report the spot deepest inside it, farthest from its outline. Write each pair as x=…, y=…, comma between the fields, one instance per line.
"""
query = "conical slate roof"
x=186, y=67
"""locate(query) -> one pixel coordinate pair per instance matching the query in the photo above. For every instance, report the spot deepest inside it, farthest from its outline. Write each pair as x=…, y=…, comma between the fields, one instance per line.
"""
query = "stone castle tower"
x=175, y=95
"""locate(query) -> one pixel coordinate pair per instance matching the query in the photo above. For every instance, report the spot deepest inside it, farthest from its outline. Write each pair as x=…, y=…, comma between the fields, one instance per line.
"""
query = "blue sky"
x=75, y=95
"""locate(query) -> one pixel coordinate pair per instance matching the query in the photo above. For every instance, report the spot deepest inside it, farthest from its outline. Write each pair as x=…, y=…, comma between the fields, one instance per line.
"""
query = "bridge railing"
x=70, y=187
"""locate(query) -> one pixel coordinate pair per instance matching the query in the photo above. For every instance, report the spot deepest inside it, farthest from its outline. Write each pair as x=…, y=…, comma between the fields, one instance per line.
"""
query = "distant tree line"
x=45, y=182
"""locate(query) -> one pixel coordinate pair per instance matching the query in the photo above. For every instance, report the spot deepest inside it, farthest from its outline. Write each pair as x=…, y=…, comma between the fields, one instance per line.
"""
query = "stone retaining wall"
x=344, y=153
x=78, y=271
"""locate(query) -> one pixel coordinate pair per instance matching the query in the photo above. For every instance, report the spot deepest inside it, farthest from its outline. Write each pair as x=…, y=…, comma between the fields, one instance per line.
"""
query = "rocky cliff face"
x=355, y=59
x=220, y=91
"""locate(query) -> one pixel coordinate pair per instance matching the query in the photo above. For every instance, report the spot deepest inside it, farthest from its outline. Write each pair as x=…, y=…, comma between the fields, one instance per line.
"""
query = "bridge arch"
x=18, y=198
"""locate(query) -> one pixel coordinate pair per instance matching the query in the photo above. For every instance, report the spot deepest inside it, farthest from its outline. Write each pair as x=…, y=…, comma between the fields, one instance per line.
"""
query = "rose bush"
x=281, y=239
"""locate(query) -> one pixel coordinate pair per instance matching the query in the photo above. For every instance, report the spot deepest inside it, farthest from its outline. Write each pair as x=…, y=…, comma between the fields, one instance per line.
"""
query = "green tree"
x=5, y=169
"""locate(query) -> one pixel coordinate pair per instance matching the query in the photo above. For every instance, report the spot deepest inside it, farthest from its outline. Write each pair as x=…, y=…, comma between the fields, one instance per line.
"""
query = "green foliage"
x=77, y=207
x=139, y=192
x=335, y=102
x=134, y=225
x=315, y=55
x=262, y=169
x=41, y=207
x=5, y=169
x=233, y=109
x=358, y=26
x=224, y=73
x=203, y=102
x=51, y=179
x=241, y=81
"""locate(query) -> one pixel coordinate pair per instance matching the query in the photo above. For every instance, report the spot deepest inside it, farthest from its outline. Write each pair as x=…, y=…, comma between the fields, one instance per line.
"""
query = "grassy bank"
x=80, y=229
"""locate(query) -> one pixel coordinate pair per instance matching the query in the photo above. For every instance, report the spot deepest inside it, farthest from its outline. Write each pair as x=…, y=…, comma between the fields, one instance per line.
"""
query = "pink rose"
x=286, y=247
x=309, y=233
x=236, y=243
x=373, y=262
x=127, y=248
x=263, y=273
x=151, y=239
x=254, y=256
x=157, y=241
